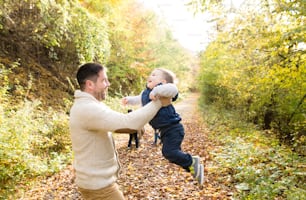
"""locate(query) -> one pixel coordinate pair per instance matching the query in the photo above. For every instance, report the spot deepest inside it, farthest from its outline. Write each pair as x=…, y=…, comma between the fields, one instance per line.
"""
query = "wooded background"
x=253, y=66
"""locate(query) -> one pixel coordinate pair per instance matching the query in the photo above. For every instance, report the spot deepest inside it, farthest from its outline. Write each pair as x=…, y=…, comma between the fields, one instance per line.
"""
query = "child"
x=133, y=136
x=167, y=121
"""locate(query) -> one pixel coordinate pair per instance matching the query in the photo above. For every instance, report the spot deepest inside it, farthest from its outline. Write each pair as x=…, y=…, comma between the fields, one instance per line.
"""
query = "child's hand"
x=124, y=100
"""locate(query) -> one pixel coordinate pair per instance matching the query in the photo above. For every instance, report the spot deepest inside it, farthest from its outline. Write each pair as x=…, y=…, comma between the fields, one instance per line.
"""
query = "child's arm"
x=131, y=100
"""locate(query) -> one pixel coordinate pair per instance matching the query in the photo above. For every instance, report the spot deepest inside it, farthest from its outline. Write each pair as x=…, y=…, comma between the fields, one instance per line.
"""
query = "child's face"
x=155, y=78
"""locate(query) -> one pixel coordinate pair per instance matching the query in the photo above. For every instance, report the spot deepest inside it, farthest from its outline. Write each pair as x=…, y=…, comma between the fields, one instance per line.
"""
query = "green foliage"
x=257, y=67
x=120, y=34
x=169, y=54
x=4, y=72
x=33, y=142
x=294, y=7
x=90, y=35
x=203, y=5
x=253, y=161
x=61, y=30
x=140, y=44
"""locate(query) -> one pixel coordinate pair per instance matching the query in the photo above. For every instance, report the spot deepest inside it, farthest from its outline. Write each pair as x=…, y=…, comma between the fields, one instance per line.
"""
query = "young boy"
x=167, y=121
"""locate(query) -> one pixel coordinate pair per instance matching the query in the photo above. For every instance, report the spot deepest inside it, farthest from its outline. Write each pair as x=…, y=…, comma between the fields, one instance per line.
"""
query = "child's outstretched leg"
x=172, y=139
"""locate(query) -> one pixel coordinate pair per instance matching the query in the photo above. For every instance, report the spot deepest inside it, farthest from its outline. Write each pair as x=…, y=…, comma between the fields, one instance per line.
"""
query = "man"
x=91, y=122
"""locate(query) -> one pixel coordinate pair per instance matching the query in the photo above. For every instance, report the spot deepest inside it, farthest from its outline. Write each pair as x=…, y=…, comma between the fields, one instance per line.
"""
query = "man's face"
x=100, y=86
x=155, y=78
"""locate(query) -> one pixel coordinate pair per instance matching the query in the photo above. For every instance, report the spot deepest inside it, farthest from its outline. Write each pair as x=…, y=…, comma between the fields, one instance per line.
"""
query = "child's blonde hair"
x=168, y=75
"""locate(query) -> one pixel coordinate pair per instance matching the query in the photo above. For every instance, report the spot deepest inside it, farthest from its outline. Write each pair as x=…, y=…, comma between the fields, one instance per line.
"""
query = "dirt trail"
x=145, y=174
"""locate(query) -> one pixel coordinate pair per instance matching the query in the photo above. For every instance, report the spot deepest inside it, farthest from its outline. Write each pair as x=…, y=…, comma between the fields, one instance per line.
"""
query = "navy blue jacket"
x=165, y=116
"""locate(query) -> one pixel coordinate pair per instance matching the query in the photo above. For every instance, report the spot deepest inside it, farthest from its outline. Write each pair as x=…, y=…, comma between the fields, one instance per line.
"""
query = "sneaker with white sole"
x=200, y=178
x=195, y=166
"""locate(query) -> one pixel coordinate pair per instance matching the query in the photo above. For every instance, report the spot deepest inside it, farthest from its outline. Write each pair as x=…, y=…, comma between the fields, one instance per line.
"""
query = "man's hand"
x=153, y=97
x=166, y=101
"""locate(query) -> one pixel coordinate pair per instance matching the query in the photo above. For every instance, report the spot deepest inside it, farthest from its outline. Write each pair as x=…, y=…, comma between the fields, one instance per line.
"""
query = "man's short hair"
x=88, y=71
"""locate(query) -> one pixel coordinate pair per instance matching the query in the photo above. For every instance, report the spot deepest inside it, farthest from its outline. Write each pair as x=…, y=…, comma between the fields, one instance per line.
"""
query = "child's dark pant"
x=135, y=136
x=172, y=138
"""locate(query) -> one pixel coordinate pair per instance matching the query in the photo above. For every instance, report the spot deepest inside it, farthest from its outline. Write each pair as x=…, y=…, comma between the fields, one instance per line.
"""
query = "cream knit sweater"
x=91, y=122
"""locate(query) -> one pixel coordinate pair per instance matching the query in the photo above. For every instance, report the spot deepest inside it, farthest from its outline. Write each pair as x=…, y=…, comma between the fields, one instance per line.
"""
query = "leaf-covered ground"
x=145, y=174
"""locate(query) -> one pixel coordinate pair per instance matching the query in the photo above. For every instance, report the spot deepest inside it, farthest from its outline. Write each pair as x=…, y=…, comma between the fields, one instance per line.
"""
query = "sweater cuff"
x=157, y=103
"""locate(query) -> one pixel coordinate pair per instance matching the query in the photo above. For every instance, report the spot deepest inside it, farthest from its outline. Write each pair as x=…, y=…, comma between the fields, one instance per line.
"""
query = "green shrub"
x=259, y=71
x=33, y=142
x=254, y=161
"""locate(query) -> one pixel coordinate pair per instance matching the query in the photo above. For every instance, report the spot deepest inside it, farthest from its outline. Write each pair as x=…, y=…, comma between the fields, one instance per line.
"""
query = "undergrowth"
x=255, y=163
x=34, y=141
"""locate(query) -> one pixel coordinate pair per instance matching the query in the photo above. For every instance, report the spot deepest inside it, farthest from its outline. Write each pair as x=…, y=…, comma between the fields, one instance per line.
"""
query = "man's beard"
x=101, y=95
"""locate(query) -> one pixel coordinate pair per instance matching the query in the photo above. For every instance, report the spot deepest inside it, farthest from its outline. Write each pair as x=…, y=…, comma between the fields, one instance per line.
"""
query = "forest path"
x=145, y=173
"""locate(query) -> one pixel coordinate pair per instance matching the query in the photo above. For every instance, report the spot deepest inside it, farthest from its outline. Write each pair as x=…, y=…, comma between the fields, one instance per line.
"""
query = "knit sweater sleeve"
x=165, y=90
x=102, y=118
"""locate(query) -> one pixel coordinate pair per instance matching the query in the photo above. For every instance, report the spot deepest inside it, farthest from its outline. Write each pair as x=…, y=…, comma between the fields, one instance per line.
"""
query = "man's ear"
x=89, y=84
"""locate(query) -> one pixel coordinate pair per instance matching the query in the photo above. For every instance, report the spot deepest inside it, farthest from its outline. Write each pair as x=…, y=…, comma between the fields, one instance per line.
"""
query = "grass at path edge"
x=252, y=161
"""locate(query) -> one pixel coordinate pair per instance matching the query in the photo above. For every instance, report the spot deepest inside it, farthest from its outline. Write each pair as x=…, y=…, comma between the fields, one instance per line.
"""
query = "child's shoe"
x=200, y=178
x=195, y=166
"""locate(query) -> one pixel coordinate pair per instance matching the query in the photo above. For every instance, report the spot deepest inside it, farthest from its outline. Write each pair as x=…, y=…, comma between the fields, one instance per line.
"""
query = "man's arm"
x=100, y=117
x=166, y=90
